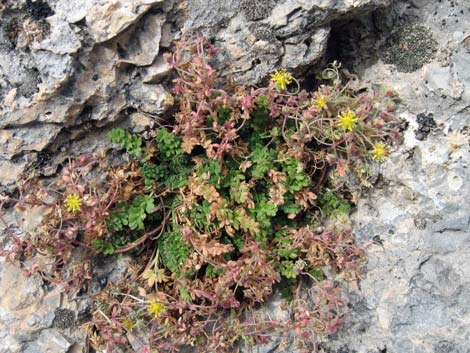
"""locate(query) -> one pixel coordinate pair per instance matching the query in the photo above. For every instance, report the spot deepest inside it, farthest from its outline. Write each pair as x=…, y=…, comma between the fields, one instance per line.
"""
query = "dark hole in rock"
x=86, y=113
x=68, y=89
x=121, y=51
x=42, y=160
x=38, y=9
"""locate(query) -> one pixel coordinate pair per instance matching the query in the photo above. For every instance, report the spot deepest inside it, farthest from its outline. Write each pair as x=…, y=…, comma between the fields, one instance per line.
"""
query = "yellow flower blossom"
x=347, y=120
x=168, y=100
x=156, y=309
x=73, y=203
x=128, y=324
x=380, y=152
x=282, y=78
x=320, y=102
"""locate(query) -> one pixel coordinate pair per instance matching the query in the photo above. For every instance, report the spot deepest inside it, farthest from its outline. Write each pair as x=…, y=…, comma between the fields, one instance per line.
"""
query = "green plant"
x=331, y=204
x=230, y=203
x=132, y=143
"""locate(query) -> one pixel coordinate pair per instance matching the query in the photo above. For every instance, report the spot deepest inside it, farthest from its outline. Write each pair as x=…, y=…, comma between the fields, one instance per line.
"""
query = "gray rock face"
x=68, y=66
x=259, y=36
x=27, y=313
x=415, y=295
x=65, y=65
x=70, y=69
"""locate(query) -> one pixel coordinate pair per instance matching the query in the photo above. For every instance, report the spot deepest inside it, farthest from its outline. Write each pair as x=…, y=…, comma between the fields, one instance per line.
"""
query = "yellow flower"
x=128, y=323
x=380, y=152
x=168, y=100
x=156, y=309
x=347, y=120
x=320, y=102
x=73, y=203
x=282, y=78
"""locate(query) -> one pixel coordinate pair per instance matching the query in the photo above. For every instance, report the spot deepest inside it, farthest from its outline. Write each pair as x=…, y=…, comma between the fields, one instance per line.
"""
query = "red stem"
x=139, y=241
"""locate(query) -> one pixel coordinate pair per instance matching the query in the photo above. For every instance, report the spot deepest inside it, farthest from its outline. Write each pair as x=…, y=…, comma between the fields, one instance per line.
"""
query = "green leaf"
x=243, y=221
x=169, y=145
x=102, y=247
x=262, y=159
x=132, y=215
x=317, y=274
x=287, y=269
x=331, y=204
x=297, y=179
x=132, y=143
x=212, y=272
x=185, y=295
x=173, y=250
x=212, y=170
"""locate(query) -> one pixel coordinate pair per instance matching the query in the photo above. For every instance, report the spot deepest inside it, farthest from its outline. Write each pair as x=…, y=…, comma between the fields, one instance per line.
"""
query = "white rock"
x=143, y=43
x=108, y=18
x=61, y=40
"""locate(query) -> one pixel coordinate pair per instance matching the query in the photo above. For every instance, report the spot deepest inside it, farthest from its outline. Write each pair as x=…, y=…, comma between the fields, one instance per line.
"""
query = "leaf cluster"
x=230, y=203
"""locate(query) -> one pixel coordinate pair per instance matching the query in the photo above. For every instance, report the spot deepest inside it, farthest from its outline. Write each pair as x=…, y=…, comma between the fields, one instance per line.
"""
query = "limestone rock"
x=73, y=11
x=49, y=341
x=70, y=69
x=149, y=98
x=157, y=71
x=28, y=312
x=61, y=40
x=267, y=34
x=414, y=296
x=143, y=43
x=106, y=19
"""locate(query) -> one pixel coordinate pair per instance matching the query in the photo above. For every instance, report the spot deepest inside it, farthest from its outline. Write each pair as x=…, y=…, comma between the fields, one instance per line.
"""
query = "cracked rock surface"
x=70, y=66
x=415, y=296
x=72, y=69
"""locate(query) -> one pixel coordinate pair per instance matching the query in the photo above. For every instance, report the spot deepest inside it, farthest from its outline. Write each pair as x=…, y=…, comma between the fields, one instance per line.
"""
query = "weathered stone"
x=297, y=32
x=27, y=289
x=10, y=171
x=49, y=341
x=148, y=98
x=143, y=43
x=141, y=122
x=34, y=138
x=27, y=312
x=306, y=49
x=73, y=11
x=106, y=19
x=157, y=71
x=414, y=296
x=70, y=68
x=61, y=39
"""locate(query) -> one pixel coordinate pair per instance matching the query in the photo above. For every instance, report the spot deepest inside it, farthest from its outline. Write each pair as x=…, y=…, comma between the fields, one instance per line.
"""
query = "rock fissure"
x=69, y=70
